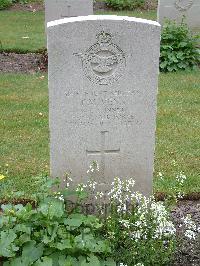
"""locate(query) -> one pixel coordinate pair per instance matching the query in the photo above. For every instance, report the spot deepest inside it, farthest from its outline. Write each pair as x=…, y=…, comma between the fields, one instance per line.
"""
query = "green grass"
x=178, y=130
x=14, y=25
x=23, y=129
x=138, y=14
x=25, y=140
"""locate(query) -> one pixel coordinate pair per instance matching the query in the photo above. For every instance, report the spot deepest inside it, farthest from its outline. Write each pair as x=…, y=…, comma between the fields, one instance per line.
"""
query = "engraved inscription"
x=183, y=5
x=100, y=107
x=104, y=62
x=102, y=152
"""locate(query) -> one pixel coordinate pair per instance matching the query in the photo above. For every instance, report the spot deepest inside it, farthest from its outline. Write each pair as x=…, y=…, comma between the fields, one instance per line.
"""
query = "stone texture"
x=103, y=74
x=58, y=9
x=176, y=9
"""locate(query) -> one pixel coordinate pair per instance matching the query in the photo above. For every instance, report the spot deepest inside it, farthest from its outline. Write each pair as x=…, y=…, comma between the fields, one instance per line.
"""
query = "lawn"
x=23, y=31
x=24, y=146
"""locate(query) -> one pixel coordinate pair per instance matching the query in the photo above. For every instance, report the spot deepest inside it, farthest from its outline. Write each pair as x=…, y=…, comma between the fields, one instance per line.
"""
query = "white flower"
x=190, y=234
x=99, y=195
x=94, y=167
x=70, y=179
x=79, y=188
x=59, y=196
x=125, y=223
x=92, y=184
x=160, y=175
x=191, y=229
x=180, y=195
x=181, y=178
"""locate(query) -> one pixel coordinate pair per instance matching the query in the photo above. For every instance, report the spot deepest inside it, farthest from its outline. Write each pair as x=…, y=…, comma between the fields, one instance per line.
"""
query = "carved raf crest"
x=183, y=5
x=104, y=62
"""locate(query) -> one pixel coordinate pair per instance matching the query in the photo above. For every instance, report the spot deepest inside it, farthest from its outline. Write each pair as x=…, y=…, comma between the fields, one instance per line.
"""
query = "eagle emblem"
x=104, y=62
x=183, y=5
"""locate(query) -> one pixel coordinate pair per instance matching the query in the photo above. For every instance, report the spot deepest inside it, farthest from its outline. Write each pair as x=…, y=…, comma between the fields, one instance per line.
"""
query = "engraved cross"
x=102, y=152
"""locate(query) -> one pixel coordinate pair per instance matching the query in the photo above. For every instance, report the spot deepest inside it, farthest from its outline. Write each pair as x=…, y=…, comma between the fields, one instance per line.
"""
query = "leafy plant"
x=125, y=4
x=179, y=48
x=53, y=233
x=139, y=228
x=21, y=1
x=5, y=4
x=58, y=232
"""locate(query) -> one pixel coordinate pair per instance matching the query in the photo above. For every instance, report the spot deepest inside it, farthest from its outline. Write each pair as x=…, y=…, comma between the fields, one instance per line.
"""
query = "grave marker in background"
x=176, y=9
x=58, y=9
x=103, y=73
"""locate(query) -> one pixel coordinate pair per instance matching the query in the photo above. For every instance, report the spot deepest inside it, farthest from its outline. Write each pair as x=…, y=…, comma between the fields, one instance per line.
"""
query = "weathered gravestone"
x=58, y=9
x=103, y=74
x=176, y=9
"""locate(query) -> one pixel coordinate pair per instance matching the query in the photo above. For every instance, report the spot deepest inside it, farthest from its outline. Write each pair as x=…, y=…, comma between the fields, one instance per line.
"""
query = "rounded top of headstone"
x=101, y=17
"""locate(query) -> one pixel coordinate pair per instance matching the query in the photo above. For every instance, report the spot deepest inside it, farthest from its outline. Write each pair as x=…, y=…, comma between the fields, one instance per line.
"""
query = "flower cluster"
x=59, y=196
x=181, y=178
x=136, y=221
x=121, y=193
x=191, y=229
x=129, y=203
x=94, y=167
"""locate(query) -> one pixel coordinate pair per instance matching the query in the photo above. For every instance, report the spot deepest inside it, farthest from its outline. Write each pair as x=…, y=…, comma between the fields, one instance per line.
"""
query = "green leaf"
x=23, y=239
x=17, y=262
x=74, y=220
x=108, y=262
x=23, y=228
x=32, y=252
x=45, y=261
x=64, y=244
x=7, y=247
x=54, y=208
x=69, y=261
x=90, y=261
x=69, y=193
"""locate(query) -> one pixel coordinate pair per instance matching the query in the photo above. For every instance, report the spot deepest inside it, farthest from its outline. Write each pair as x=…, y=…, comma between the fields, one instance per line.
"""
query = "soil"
x=188, y=252
x=21, y=63
x=31, y=7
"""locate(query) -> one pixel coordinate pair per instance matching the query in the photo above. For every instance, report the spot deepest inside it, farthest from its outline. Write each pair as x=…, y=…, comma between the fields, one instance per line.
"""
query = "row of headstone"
x=177, y=9
x=167, y=9
x=58, y=9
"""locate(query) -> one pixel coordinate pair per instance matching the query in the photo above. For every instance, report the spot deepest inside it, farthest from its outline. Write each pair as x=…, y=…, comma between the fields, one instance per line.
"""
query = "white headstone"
x=103, y=73
x=176, y=9
x=58, y=9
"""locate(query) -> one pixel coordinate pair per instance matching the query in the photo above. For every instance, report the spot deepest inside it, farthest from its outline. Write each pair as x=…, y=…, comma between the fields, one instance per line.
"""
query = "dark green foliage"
x=53, y=234
x=21, y=1
x=5, y=4
x=179, y=48
x=125, y=4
